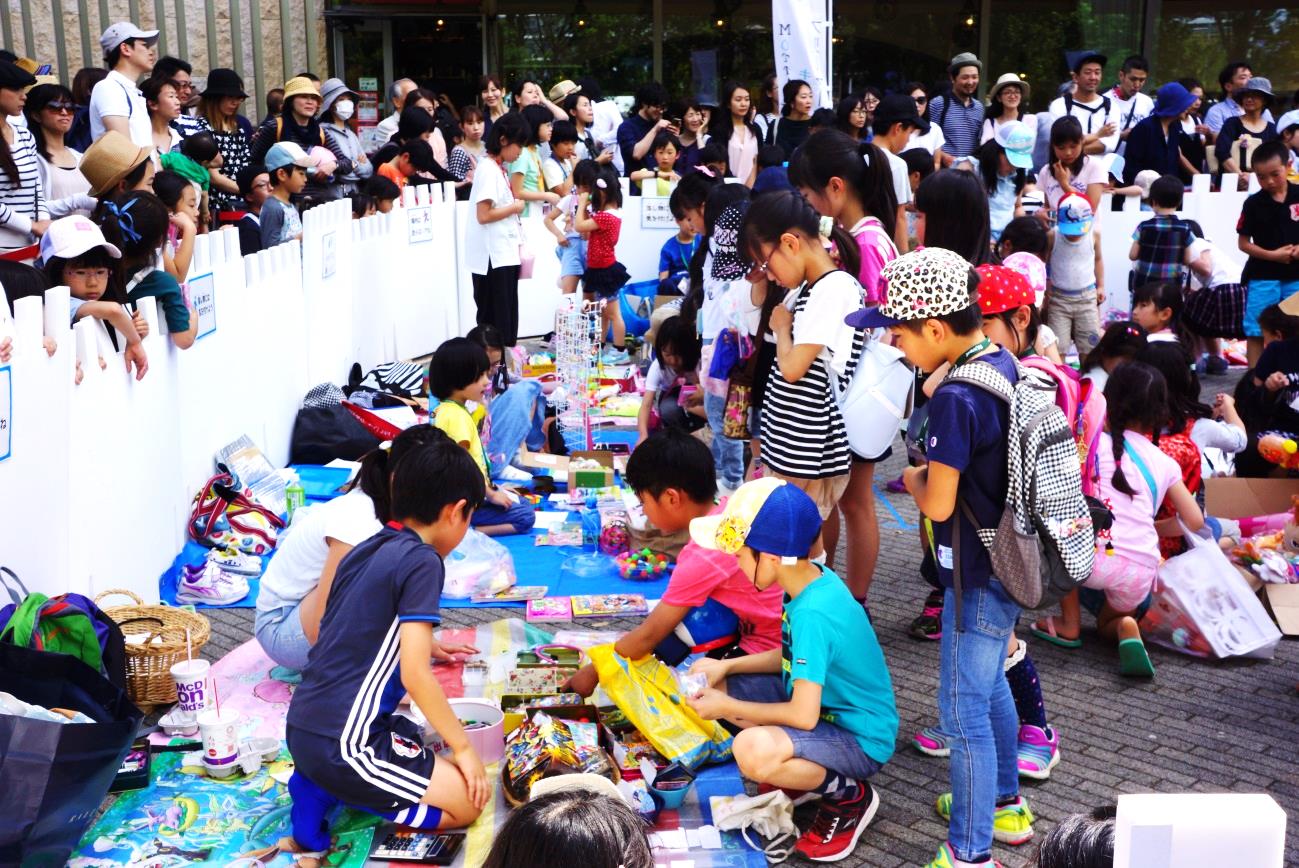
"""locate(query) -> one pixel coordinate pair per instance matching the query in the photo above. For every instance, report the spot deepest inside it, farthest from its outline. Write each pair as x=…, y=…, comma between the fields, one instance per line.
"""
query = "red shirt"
x=1183, y=450
x=599, y=247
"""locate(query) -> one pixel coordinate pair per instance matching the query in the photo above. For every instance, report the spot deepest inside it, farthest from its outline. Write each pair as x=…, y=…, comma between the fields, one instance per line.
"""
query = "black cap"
x=898, y=108
x=1076, y=59
x=14, y=77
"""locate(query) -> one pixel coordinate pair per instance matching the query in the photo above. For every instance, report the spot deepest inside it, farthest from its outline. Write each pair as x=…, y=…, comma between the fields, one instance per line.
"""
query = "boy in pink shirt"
x=672, y=474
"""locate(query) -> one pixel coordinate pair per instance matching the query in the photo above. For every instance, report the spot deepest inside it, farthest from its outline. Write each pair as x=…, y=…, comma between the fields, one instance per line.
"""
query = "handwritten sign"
x=419, y=225
x=202, y=294
x=328, y=255
x=6, y=411
x=655, y=213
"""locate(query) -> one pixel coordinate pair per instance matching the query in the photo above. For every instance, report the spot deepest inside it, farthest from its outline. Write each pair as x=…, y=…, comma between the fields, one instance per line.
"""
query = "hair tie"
x=125, y=221
x=385, y=446
x=600, y=182
x=825, y=227
x=707, y=171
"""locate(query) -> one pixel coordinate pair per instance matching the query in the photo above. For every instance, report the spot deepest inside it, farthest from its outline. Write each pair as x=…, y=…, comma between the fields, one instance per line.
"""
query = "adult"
x=337, y=108
x=397, y=92
x=1240, y=135
x=896, y=119
x=298, y=124
x=526, y=92
x=1095, y=112
x=1131, y=106
x=1156, y=141
x=608, y=119
x=953, y=208
x=1006, y=102
x=959, y=113
x=582, y=113
x=116, y=103
x=23, y=215
x=933, y=140
x=693, y=137
x=50, y=110
x=491, y=98
x=851, y=116
x=162, y=98
x=83, y=83
x=1196, y=135
x=445, y=126
x=1234, y=76
x=767, y=108
x=795, y=119
x=274, y=102
x=182, y=73
x=637, y=133
x=219, y=106
x=734, y=128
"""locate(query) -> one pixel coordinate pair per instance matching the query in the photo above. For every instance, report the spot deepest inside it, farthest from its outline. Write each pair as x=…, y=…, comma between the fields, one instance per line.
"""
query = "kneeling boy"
x=348, y=745
x=672, y=474
x=817, y=713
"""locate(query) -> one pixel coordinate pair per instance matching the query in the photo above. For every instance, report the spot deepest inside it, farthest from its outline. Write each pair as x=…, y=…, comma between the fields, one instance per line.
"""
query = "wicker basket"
x=148, y=665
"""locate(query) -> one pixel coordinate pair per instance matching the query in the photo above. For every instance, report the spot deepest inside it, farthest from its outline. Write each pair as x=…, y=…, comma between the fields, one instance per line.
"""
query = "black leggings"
x=496, y=294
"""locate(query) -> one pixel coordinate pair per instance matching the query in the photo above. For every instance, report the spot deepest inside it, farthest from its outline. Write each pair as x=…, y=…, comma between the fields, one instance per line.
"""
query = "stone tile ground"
x=1200, y=726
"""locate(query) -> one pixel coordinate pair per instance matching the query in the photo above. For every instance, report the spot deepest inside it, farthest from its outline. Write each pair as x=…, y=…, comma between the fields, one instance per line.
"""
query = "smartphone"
x=676, y=122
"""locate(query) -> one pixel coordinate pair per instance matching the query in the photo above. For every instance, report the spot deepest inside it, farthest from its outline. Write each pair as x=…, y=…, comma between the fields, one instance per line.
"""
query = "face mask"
x=343, y=109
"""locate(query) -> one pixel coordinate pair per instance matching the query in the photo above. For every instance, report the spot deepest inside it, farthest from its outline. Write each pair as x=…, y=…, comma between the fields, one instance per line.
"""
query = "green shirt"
x=171, y=304
x=827, y=639
x=529, y=166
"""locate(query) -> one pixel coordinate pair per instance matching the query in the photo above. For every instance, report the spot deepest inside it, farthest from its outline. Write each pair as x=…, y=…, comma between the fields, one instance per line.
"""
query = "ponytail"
x=861, y=165
x=375, y=476
x=1136, y=397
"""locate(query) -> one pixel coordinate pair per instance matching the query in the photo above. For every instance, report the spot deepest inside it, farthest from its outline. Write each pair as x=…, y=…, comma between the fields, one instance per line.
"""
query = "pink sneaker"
x=1039, y=752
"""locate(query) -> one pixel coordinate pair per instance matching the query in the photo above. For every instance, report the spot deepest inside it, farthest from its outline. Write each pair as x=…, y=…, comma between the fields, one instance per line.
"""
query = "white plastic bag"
x=771, y=815
x=478, y=566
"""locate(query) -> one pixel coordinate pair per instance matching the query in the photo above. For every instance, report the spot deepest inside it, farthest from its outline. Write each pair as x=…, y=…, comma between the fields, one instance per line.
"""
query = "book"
x=609, y=605
x=550, y=609
x=515, y=594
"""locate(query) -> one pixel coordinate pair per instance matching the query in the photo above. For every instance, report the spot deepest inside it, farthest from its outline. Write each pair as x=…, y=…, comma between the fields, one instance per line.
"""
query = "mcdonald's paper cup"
x=220, y=734
x=191, y=686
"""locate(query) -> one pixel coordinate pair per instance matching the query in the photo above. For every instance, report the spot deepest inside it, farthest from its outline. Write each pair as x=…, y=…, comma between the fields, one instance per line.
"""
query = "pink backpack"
x=1083, y=405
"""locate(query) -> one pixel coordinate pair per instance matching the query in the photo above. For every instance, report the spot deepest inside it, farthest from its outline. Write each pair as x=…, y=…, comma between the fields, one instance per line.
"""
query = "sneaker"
x=211, y=586
x=1039, y=751
x=1216, y=366
x=930, y=623
x=235, y=562
x=946, y=858
x=1012, y=824
x=930, y=742
x=613, y=356
x=510, y=473
x=838, y=824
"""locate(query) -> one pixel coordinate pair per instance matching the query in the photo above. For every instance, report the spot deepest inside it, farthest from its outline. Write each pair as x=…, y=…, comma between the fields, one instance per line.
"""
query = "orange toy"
x=1279, y=448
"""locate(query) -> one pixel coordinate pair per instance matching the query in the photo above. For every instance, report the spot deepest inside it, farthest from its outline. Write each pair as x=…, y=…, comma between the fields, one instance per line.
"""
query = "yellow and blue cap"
x=768, y=515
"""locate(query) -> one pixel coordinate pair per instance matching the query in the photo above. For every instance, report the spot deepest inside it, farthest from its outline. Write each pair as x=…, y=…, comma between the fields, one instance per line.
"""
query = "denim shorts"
x=1264, y=293
x=279, y=632
x=572, y=259
x=829, y=746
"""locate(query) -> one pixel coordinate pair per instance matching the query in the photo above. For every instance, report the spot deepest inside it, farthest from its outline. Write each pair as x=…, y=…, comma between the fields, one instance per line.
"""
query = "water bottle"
x=294, y=494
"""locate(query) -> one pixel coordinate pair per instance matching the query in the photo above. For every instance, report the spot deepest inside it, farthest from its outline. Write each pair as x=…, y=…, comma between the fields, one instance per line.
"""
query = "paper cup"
x=191, y=685
x=220, y=735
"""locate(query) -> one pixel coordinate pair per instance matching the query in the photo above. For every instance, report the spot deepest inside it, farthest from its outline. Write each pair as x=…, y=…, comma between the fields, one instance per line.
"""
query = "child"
x=671, y=474
x=600, y=220
x=1157, y=308
x=1024, y=235
x=1215, y=303
x=677, y=251
x=1033, y=269
x=286, y=164
x=773, y=170
x=1077, y=274
x=1161, y=246
x=77, y=256
x=1134, y=477
x=575, y=822
x=920, y=165
x=458, y=375
x=384, y=191
x=465, y=155
x=1003, y=163
x=515, y=415
x=1269, y=394
x=931, y=312
x=1120, y=343
x=136, y=224
x=817, y=713
x=412, y=157
x=558, y=167
x=1080, y=841
x=676, y=364
x=493, y=234
x=1069, y=169
x=803, y=439
x=362, y=205
x=713, y=157
x=255, y=187
x=571, y=248
x=665, y=148
x=181, y=198
x=526, y=178
x=1268, y=232
x=376, y=639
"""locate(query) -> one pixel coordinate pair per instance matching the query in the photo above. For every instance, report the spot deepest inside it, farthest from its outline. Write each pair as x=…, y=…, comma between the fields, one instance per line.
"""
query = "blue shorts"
x=572, y=259
x=389, y=773
x=1264, y=293
x=279, y=632
x=829, y=746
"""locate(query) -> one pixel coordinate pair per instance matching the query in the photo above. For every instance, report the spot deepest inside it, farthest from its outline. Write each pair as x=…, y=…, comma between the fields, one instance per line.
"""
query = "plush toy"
x=1279, y=448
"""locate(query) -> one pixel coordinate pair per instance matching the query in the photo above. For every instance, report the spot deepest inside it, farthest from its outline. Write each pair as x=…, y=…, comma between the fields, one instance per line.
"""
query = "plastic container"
x=484, y=724
x=631, y=298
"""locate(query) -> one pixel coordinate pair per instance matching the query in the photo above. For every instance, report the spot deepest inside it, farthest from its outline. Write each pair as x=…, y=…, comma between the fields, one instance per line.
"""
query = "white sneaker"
x=211, y=586
x=510, y=473
x=236, y=562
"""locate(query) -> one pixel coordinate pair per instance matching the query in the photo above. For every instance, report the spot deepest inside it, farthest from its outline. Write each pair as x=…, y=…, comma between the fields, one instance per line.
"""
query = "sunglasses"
x=61, y=107
x=921, y=100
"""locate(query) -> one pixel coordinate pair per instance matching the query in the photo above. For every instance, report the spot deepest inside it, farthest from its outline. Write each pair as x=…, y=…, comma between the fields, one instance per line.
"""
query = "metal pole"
x=286, y=37
x=985, y=41
x=133, y=9
x=160, y=16
x=7, y=25
x=259, y=74
x=182, y=37
x=61, y=50
x=309, y=20
x=88, y=57
x=209, y=11
x=29, y=35
x=104, y=18
x=236, y=38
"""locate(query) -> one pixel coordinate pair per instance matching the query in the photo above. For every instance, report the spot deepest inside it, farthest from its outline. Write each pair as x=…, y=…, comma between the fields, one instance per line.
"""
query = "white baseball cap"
x=70, y=237
x=120, y=32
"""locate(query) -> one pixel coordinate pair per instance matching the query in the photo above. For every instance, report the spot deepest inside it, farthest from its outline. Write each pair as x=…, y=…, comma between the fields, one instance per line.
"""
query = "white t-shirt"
x=300, y=555
x=117, y=96
x=492, y=244
x=1092, y=116
x=727, y=304
x=822, y=319
x=1073, y=263
x=1225, y=270
x=991, y=126
x=1093, y=172
x=930, y=141
x=901, y=177
x=1128, y=112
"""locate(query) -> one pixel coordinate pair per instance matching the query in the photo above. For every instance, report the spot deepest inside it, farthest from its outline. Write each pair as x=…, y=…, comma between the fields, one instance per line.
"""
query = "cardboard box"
x=1240, y=498
x=591, y=478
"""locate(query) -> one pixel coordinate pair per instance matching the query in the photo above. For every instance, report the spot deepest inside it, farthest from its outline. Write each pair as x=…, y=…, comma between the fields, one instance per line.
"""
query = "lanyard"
x=972, y=352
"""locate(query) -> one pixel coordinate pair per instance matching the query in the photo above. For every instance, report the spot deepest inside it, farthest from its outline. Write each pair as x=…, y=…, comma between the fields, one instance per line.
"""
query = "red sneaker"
x=838, y=824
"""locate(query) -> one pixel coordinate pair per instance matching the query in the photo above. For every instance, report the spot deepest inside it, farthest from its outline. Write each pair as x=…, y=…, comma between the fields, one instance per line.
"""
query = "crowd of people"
x=964, y=233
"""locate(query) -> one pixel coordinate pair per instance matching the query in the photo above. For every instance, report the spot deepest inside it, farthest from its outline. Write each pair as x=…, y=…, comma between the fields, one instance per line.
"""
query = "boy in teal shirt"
x=817, y=713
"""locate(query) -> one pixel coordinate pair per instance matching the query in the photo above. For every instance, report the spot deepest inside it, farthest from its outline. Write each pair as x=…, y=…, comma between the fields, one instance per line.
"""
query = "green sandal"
x=1050, y=634
x=1134, y=661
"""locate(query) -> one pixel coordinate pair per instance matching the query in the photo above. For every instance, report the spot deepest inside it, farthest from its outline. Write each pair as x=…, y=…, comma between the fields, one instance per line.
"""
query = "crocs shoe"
x=931, y=742
x=838, y=824
x=1012, y=824
x=1039, y=751
x=211, y=586
x=236, y=562
x=930, y=623
x=946, y=858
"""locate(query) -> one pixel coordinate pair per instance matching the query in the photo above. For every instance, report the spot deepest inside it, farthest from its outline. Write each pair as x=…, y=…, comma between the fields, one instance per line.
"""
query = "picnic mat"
x=193, y=553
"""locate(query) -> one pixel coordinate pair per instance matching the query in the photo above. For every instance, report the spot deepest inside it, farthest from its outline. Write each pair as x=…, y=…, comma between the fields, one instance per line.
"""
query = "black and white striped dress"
x=21, y=203
x=802, y=431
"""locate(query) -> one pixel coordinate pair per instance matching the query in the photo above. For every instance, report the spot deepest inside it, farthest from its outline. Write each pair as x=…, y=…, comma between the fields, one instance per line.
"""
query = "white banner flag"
x=801, y=32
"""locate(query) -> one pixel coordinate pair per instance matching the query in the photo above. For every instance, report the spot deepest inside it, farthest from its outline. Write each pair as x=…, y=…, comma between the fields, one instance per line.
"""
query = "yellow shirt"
x=454, y=421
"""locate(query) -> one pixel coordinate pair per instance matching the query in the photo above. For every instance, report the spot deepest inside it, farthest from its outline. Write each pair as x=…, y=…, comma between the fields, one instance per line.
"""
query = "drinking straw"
x=189, y=649
x=216, y=697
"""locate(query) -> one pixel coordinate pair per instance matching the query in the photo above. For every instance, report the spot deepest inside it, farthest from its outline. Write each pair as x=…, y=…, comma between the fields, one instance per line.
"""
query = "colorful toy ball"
x=643, y=566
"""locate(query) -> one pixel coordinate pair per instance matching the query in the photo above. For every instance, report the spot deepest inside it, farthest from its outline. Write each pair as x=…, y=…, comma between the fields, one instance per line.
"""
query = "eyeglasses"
x=859, y=110
x=88, y=274
x=921, y=100
x=62, y=107
x=870, y=102
x=262, y=185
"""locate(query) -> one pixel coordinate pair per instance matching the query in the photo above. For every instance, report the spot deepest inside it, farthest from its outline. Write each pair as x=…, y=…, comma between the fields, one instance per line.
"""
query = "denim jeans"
x=728, y=454
x=977, y=713
x=281, y=636
x=516, y=416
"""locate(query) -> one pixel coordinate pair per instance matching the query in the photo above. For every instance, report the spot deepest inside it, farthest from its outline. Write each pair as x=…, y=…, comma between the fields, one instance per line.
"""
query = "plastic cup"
x=220, y=734
x=191, y=686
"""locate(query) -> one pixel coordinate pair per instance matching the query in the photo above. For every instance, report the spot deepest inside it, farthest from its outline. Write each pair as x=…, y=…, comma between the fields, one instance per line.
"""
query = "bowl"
x=484, y=724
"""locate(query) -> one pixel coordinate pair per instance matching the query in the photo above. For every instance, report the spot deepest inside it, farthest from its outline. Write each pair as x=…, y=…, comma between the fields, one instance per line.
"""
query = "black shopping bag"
x=54, y=776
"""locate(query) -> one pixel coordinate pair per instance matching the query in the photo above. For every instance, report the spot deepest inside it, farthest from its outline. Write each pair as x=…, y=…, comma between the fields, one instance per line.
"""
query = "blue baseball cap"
x=768, y=515
x=1074, y=215
x=1017, y=140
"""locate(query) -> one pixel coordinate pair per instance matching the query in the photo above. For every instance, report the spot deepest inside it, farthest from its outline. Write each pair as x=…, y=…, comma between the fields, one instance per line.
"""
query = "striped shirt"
x=802, y=430
x=962, y=124
x=21, y=203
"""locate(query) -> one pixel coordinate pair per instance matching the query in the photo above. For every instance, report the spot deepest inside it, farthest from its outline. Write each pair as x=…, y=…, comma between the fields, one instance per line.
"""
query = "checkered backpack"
x=1044, y=545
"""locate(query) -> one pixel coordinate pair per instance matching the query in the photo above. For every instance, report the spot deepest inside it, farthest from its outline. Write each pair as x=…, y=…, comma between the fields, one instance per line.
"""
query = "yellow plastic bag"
x=646, y=692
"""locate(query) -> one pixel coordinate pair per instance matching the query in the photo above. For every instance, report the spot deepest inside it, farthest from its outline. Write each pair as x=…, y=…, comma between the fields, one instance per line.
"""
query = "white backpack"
x=877, y=398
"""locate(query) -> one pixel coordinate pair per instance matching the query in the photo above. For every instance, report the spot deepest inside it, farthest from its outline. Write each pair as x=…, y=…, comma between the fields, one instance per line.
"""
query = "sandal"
x=302, y=858
x=1134, y=660
x=1047, y=633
